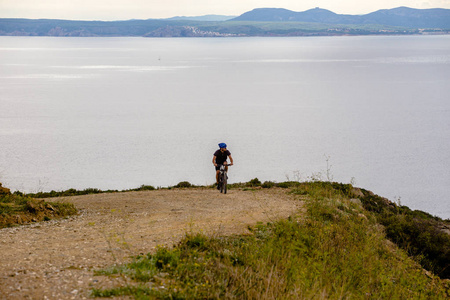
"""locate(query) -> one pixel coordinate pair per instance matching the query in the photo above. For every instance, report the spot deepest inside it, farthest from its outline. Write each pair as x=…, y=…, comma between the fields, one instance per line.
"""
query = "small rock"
x=357, y=192
x=355, y=201
x=362, y=216
x=49, y=207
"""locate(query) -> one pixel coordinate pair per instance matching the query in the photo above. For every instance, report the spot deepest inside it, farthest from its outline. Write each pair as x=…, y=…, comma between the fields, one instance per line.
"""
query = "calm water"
x=116, y=113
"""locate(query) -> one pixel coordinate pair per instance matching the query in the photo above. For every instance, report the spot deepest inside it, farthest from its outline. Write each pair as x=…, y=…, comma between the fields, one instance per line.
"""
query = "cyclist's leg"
x=226, y=170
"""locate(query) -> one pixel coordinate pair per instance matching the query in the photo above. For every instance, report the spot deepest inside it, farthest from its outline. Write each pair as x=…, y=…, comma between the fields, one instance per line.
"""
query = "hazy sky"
x=145, y=9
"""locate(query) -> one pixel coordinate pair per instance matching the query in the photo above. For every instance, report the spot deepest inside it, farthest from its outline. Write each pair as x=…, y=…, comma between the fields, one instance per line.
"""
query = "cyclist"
x=219, y=158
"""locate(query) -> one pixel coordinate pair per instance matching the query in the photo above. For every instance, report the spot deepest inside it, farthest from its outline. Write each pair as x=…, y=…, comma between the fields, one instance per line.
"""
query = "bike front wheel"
x=224, y=183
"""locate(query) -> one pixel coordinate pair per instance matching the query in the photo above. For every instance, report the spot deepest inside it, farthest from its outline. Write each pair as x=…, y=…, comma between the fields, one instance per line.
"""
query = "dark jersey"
x=221, y=157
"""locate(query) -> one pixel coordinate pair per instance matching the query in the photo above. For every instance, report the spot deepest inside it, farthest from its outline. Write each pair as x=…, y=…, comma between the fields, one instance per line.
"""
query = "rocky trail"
x=56, y=259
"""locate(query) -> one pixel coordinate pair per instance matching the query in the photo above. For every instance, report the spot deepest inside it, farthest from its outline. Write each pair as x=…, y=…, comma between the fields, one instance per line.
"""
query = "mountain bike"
x=223, y=178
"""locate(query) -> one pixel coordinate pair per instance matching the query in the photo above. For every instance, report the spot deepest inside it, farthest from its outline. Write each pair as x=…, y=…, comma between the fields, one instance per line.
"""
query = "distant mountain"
x=401, y=16
x=316, y=15
x=267, y=15
x=410, y=17
x=209, y=18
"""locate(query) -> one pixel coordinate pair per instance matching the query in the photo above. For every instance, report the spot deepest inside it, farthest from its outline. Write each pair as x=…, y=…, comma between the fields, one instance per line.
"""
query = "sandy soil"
x=56, y=259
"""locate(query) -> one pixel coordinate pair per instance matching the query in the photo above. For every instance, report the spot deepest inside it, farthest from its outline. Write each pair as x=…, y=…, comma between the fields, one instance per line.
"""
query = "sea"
x=118, y=113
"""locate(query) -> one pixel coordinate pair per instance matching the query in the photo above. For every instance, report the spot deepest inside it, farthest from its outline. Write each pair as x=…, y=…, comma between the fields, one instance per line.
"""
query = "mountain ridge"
x=400, y=16
x=258, y=22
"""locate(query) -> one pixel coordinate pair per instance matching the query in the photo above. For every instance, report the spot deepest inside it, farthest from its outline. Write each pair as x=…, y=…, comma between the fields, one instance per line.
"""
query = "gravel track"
x=57, y=259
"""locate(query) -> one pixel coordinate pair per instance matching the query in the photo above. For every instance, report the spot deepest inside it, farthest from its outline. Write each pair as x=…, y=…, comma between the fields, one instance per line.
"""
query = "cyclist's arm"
x=214, y=161
x=231, y=160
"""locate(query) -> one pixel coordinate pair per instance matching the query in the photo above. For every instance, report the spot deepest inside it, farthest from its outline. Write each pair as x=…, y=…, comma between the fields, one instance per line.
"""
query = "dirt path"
x=56, y=259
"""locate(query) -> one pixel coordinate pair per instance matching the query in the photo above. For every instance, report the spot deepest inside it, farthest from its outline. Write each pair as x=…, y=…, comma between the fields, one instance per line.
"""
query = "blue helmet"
x=222, y=145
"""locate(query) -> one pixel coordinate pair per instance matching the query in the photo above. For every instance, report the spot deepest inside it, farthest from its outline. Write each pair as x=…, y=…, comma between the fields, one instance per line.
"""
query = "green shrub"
x=4, y=191
x=254, y=182
x=417, y=232
x=184, y=184
x=287, y=184
x=268, y=184
x=165, y=258
x=145, y=188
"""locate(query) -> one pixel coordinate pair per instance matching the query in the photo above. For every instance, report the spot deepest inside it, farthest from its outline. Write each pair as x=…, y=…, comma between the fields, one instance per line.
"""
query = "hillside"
x=312, y=238
x=258, y=22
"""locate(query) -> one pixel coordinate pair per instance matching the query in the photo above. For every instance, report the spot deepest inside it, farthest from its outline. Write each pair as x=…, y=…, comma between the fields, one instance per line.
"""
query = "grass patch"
x=75, y=192
x=16, y=210
x=336, y=250
x=256, y=183
x=417, y=232
x=89, y=191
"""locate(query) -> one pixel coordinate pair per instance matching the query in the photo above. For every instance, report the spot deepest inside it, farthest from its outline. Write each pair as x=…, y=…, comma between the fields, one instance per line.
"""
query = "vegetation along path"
x=57, y=259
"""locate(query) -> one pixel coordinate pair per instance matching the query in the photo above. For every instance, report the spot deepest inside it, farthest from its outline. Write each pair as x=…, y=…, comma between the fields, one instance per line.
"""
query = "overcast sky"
x=145, y=9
